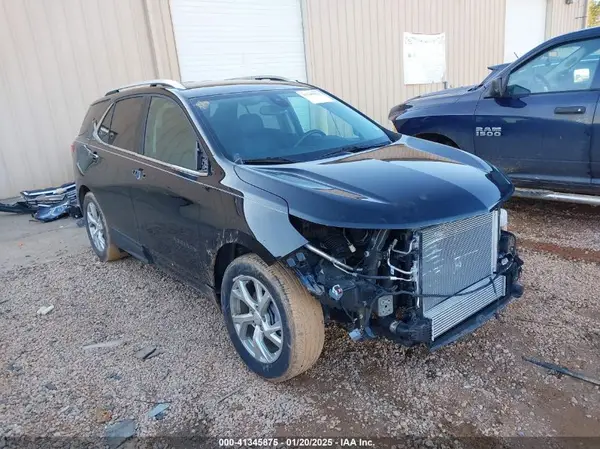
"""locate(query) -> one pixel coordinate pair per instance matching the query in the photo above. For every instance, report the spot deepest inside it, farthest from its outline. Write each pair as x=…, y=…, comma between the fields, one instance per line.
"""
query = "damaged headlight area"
x=430, y=285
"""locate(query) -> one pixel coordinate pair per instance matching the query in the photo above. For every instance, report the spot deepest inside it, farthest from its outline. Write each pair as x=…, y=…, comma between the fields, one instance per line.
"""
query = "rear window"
x=94, y=114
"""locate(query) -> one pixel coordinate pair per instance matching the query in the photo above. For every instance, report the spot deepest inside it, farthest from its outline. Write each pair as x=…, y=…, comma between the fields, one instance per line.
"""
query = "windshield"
x=284, y=125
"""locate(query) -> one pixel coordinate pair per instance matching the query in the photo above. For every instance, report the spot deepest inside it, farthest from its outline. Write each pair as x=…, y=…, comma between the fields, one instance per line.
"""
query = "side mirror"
x=496, y=88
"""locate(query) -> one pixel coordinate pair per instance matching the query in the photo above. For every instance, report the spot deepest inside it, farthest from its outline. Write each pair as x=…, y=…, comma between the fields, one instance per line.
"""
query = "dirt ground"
x=51, y=386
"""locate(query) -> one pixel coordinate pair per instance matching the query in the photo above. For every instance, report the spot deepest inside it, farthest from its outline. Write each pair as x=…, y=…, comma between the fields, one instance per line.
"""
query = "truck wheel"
x=97, y=230
x=275, y=325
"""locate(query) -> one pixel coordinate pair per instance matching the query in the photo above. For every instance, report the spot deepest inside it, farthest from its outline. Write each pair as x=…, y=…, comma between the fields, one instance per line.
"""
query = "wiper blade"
x=354, y=149
x=267, y=160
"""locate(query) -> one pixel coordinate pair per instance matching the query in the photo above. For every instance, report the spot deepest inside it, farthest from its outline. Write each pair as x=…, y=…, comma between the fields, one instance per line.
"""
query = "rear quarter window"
x=94, y=114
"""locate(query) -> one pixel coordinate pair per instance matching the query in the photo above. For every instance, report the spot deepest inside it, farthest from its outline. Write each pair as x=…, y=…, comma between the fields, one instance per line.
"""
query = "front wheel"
x=275, y=325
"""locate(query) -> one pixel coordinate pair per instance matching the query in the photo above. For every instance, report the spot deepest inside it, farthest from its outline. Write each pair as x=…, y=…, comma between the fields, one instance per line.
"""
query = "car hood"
x=412, y=184
x=446, y=93
x=431, y=99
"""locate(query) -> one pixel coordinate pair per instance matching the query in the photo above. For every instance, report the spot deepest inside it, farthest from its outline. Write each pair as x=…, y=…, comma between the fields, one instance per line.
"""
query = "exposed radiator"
x=456, y=309
x=456, y=255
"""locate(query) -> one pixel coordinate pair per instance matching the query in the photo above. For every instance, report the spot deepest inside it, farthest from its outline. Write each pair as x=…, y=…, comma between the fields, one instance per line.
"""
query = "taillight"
x=72, y=148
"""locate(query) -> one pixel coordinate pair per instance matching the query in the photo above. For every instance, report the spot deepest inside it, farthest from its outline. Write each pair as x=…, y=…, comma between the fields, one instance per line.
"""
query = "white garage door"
x=219, y=39
x=524, y=27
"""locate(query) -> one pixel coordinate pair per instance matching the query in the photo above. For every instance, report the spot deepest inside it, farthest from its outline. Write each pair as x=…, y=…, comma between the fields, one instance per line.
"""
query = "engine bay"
x=378, y=281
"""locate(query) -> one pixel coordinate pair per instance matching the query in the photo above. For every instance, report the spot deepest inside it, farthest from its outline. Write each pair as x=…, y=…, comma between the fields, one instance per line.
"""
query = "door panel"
x=167, y=200
x=114, y=149
x=540, y=130
x=167, y=207
x=543, y=138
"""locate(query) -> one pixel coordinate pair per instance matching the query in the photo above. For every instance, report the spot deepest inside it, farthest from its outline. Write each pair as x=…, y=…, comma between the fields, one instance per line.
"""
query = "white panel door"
x=219, y=39
x=524, y=27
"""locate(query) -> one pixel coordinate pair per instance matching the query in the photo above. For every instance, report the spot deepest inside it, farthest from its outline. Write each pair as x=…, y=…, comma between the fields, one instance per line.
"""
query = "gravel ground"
x=50, y=385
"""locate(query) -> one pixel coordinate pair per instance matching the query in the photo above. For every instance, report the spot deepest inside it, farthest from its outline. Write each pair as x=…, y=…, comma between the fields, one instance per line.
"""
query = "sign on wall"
x=424, y=58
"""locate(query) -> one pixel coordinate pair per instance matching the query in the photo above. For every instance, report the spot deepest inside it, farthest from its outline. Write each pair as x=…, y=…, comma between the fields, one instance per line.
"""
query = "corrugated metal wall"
x=354, y=47
x=57, y=57
x=563, y=18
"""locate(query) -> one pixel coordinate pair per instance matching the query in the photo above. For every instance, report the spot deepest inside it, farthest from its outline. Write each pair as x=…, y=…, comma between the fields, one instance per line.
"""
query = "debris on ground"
x=47, y=204
x=155, y=354
x=102, y=416
x=562, y=370
x=104, y=344
x=45, y=310
x=145, y=353
x=158, y=412
x=120, y=432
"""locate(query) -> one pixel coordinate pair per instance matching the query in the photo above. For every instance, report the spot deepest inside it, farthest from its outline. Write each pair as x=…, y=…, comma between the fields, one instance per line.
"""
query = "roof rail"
x=262, y=77
x=158, y=82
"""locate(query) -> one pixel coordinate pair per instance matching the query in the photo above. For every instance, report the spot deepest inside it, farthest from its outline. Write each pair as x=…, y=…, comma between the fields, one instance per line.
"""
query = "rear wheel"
x=275, y=325
x=97, y=230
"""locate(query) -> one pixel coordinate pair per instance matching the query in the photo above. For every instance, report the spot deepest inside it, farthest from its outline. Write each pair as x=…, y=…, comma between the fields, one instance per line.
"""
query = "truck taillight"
x=72, y=148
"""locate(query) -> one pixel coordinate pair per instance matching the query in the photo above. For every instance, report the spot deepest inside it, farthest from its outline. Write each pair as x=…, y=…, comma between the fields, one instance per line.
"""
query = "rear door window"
x=121, y=124
x=126, y=121
x=169, y=134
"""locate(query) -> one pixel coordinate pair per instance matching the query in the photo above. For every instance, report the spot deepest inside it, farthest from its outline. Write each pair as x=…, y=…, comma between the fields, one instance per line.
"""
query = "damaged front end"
x=431, y=285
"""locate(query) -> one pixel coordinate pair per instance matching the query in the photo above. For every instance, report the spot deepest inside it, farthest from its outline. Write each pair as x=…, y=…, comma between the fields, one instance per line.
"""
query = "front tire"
x=97, y=230
x=275, y=325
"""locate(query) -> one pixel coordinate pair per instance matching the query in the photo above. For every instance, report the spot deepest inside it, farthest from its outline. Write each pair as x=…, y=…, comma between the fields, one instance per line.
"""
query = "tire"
x=109, y=251
x=302, y=330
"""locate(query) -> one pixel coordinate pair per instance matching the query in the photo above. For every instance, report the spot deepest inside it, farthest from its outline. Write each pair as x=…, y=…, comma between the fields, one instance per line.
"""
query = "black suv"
x=288, y=208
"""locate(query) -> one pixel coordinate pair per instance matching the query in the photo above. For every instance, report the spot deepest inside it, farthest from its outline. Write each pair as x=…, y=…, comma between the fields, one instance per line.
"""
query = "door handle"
x=138, y=173
x=93, y=154
x=569, y=110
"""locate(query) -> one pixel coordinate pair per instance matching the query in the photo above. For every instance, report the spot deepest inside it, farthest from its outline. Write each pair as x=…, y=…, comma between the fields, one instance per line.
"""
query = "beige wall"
x=562, y=18
x=56, y=58
x=354, y=47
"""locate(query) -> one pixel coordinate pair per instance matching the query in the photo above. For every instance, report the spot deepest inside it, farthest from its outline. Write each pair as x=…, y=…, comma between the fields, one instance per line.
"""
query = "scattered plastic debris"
x=114, y=376
x=45, y=310
x=562, y=370
x=105, y=344
x=119, y=432
x=47, y=204
x=158, y=412
x=50, y=386
x=145, y=353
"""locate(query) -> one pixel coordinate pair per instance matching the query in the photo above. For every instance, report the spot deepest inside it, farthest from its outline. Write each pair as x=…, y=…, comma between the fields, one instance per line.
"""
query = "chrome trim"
x=156, y=82
x=549, y=195
x=456, y=309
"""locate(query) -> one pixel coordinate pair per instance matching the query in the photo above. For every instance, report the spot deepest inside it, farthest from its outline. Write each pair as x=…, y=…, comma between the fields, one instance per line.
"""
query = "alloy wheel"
x=96, y=226
x=256, y=319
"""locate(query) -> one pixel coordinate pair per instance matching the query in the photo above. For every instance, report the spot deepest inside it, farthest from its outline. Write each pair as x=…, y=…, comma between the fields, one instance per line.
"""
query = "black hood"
x=412, y=183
